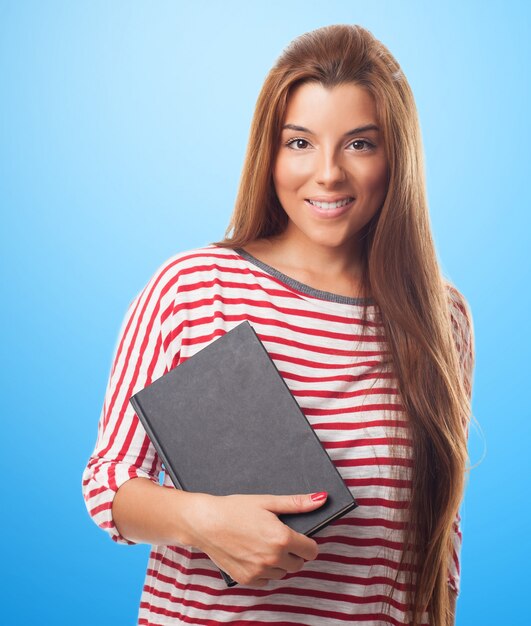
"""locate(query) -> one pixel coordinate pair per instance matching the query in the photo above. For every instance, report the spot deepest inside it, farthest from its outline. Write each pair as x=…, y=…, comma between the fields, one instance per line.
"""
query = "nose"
x=329, y=169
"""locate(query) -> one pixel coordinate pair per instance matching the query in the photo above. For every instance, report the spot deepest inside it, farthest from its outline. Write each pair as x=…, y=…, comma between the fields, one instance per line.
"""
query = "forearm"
x=148, y=513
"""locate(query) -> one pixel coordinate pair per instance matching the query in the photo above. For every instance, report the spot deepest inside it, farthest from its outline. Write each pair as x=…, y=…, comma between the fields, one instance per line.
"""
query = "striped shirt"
x=331, y=352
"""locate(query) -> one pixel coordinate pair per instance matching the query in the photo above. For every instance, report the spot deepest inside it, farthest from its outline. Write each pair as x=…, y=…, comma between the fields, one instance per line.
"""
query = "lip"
x=329, y=198
x=329, y=213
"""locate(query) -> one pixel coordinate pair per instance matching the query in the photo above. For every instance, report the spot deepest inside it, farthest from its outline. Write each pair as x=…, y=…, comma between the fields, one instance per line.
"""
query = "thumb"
x=298, y=503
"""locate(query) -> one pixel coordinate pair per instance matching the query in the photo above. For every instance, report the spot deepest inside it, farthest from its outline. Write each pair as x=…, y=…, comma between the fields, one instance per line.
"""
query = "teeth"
x=330, y=205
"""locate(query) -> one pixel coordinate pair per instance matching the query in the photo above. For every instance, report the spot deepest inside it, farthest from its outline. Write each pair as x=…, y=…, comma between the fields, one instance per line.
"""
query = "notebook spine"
x=171, y=471
x=158, y=445
x=329, y=520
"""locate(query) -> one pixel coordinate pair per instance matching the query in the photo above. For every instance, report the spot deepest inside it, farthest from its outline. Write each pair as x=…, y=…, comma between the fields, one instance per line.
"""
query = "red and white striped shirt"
x=335, y=365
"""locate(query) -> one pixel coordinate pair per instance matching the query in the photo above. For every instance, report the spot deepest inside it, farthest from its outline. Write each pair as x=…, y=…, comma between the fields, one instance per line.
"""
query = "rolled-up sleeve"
x=463, y=332
x=123, y=450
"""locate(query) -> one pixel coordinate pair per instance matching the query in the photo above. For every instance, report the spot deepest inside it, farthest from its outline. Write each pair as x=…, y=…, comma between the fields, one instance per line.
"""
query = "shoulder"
x=462, y=329
x=460, y=313
x=183, y=272
x=195, y=259
x=191, y=265
x=191, y=270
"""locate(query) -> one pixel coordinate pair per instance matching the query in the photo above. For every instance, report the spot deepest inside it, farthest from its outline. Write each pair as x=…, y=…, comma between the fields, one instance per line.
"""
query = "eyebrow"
x=354, y=131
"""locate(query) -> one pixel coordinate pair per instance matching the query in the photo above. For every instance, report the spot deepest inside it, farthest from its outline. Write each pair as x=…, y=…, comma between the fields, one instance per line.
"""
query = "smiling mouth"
x=330, y=205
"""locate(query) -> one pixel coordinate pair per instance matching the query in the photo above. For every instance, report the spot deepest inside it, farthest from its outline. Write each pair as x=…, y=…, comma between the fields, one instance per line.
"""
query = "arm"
x=453, y=603
x=148, y=513
x=463, y=331
x=123, y=451
x=241, y=533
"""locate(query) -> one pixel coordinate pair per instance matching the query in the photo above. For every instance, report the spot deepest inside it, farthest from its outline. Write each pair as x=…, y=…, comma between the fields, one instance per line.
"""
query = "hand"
x=244, y=537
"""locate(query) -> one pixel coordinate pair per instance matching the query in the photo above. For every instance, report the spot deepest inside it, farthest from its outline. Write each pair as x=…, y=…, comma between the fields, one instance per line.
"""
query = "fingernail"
x=321, y=495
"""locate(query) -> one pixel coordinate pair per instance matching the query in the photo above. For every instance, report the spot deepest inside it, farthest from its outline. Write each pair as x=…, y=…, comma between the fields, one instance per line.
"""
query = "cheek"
x=289, y=174
x=375, y=181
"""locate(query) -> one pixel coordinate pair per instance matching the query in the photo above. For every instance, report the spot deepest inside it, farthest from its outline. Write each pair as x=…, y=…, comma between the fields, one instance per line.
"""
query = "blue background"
x=123, y=127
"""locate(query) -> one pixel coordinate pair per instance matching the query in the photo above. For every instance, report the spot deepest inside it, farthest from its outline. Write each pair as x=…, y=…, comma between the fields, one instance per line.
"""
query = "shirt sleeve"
x=123, y=450
x=463, y=332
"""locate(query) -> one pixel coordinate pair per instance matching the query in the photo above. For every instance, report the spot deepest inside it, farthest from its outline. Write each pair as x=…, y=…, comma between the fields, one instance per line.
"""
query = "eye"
x=361, y=145
x=297, y=143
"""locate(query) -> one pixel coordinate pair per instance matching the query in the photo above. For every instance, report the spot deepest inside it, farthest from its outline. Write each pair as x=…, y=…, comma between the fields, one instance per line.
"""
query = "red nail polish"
x=321, y=495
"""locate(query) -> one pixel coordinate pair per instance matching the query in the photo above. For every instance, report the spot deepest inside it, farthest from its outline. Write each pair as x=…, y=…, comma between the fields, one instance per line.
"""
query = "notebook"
x=225, y=422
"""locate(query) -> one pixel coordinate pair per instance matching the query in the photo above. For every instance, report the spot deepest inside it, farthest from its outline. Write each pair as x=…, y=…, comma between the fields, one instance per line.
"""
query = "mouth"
x=330, y=210
x=328, y=206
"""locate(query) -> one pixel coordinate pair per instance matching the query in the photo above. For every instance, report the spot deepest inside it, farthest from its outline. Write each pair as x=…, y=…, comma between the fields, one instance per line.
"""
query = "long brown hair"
x=401, y=273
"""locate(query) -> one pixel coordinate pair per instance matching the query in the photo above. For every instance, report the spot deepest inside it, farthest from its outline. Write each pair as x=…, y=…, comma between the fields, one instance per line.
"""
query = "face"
x=330, y=171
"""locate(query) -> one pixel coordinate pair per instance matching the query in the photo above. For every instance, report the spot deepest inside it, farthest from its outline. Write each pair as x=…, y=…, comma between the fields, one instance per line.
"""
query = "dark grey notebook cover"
x=225, y=422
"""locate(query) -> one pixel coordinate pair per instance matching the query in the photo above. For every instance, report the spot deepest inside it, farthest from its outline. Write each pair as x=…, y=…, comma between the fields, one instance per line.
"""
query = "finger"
x=275, y=573
x=301, y=546
x=292, y=563
x=261, y=582
x=296, y=503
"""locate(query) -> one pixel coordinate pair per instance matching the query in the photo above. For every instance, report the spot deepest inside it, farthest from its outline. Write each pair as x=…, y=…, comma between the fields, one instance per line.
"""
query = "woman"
x=329, y=256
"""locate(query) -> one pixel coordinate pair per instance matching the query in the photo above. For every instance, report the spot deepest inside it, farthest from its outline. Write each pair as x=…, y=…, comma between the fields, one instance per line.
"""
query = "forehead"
x=312, y=104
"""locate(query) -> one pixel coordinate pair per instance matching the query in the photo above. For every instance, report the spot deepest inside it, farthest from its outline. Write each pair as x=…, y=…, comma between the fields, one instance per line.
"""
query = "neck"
x=319, y=260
